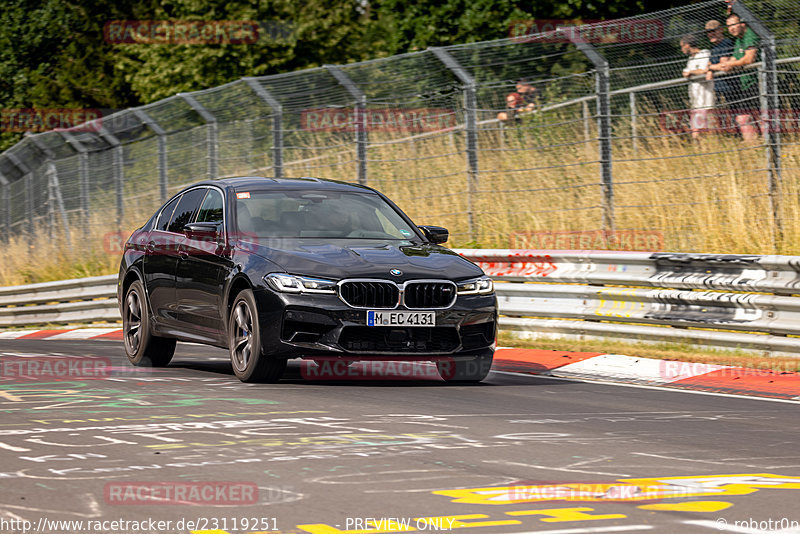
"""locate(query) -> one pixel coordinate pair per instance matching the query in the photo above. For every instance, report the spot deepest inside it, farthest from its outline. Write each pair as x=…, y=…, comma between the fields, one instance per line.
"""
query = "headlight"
x=476, y=286
x=288, y=283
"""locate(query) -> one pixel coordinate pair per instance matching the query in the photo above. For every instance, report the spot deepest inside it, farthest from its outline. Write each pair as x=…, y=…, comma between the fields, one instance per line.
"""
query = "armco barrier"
x=716, y=300
x=66, y=301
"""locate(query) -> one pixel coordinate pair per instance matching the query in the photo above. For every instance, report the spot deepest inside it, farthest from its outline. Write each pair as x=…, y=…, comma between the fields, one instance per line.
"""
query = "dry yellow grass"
x=707, y=196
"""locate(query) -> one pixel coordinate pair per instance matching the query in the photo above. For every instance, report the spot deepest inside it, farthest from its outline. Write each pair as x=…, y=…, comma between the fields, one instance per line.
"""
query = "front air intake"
x=429, y=295
x=370, y=294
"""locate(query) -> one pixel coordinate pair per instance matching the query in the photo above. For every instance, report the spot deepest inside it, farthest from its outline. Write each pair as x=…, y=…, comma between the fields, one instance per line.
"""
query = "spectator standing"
x=721, y=51
x=514, y=104
x=701, y=93
x=745, y=52
x=529, y=94
x=524, y=100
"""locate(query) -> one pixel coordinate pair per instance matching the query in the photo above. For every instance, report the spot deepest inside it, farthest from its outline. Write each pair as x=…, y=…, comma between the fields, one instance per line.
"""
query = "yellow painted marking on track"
x=557, y=515
x=696, y=506
x=629, y=489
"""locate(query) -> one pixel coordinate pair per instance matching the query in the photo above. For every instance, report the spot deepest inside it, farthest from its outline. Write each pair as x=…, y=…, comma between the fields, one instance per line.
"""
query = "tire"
x=249, y=362
x=465, y=371
x=141, y=346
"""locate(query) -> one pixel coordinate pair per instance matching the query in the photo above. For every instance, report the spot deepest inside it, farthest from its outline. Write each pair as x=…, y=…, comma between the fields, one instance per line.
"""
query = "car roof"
x=260, y=182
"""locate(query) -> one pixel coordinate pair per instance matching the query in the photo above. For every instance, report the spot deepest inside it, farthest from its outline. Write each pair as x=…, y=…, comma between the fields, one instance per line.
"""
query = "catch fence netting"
x=557, y=136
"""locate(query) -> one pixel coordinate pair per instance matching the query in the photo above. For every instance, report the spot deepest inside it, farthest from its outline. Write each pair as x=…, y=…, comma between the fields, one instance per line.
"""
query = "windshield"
x=319, y=214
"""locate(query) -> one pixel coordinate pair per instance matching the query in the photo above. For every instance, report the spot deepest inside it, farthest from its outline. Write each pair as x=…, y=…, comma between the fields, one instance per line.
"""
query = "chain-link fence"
x=582, y=137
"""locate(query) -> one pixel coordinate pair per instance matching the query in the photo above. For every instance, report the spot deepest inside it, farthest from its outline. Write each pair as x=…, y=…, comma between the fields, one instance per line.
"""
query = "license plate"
x=400, y=318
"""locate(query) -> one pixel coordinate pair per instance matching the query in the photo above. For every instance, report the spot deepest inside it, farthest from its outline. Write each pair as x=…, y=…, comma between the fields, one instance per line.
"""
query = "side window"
x=211, y=210
x=166, y=214
x=184, y=212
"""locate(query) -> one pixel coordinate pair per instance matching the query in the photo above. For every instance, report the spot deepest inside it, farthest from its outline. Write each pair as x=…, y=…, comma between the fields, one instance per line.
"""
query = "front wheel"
x=141, y=346
x=465, y=371
x=249, y=362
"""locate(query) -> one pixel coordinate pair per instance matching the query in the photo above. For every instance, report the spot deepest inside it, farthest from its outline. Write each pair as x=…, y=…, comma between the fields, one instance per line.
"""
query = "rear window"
x=166, y=214
x=186, y=209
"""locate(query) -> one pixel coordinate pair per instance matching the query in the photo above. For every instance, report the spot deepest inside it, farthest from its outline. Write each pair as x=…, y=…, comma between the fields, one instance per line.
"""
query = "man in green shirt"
x=745, y=52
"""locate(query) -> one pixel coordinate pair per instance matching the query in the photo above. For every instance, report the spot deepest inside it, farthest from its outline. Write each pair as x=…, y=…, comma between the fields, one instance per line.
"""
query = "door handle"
x=151, y=246
x=183, y=254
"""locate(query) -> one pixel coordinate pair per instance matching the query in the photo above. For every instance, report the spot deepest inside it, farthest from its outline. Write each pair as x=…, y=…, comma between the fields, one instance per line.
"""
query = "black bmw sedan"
x=275, y=269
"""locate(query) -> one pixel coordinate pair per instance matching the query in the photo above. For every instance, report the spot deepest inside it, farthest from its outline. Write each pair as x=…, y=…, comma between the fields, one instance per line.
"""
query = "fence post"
x=53, y=179
x=29, y=199
x=83, y=175
x=277, y=124
x=4, y=186
x=162, y=150
x=603, y=122
x=634, y=116
x=770, y=112
x=362, y=138
x=51, y=208
x=212, y=134
x=119, y=171
x=471, y=119
x=586, y=114
x=27, y=179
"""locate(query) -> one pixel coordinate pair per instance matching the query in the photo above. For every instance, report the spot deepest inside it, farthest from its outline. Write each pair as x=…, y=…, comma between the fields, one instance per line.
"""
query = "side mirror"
x=202, y=230
x=435, y=234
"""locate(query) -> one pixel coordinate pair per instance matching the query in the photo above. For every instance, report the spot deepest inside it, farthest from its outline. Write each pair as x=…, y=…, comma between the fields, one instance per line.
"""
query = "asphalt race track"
x=191, y=447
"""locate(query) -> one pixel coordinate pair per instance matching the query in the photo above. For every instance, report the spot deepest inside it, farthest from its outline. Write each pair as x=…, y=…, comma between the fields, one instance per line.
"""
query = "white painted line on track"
x=795, y=400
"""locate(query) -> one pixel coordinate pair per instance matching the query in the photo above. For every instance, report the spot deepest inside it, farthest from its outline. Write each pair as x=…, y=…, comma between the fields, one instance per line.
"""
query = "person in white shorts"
x=701, y=91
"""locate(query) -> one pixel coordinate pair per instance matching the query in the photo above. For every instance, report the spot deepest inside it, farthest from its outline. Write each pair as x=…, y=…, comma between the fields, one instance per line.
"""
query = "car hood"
x=360, y=258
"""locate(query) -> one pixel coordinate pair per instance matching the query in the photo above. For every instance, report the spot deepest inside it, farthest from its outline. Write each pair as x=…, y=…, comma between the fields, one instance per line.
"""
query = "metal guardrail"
x=79, y=300
x=715, y=300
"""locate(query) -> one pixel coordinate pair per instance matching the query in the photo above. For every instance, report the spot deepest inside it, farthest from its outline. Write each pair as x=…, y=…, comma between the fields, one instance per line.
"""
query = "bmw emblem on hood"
x=396, y=272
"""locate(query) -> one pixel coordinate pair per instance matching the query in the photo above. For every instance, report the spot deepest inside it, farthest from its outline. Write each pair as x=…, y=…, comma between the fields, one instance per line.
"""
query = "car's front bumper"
x=308, y=325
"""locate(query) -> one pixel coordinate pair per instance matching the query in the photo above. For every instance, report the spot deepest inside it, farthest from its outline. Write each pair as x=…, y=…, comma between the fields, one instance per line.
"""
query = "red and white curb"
x=653, y=372
x=112, y=333
x=579, y=365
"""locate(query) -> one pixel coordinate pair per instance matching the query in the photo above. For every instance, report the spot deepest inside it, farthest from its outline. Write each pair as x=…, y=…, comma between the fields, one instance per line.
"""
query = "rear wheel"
x=249, y=362
x=465, y=371
x=141, y=346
